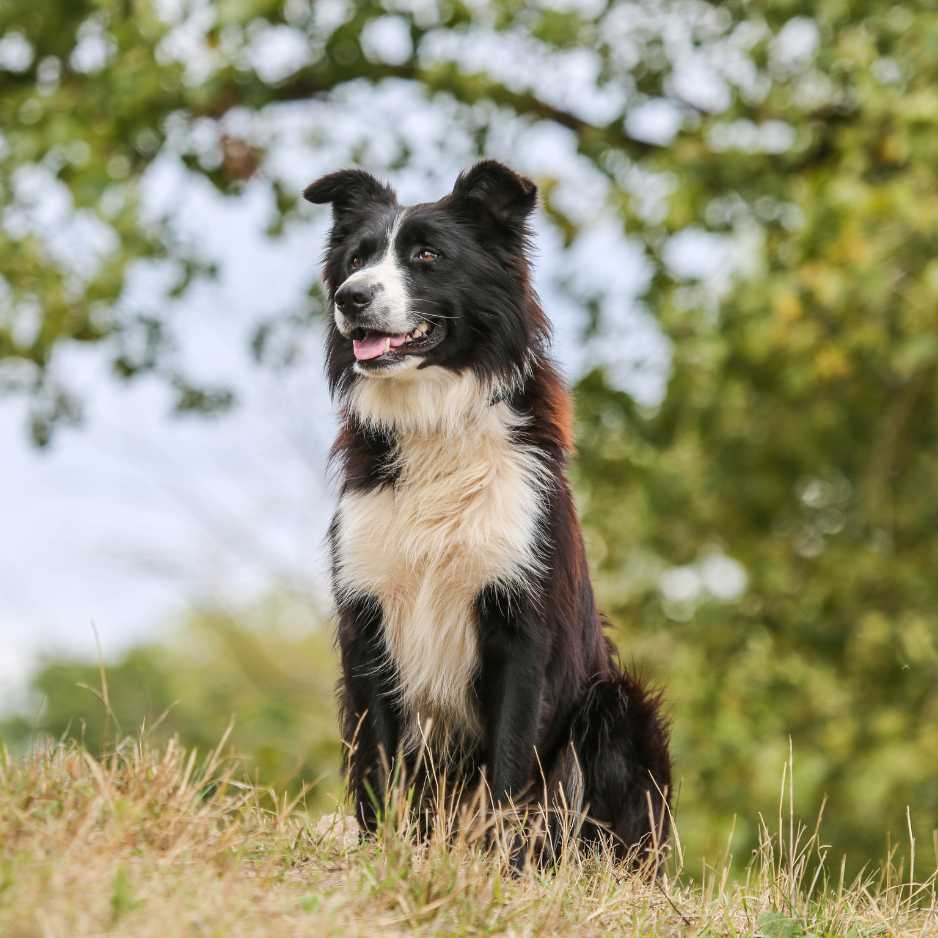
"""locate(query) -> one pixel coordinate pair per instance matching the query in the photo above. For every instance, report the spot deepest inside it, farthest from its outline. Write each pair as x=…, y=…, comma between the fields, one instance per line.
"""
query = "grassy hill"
x=159, y=841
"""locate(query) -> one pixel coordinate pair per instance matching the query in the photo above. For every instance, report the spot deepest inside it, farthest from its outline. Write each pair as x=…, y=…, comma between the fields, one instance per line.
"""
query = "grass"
x=157, y=842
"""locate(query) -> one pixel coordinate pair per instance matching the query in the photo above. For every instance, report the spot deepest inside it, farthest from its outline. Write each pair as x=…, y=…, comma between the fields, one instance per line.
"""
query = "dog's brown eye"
x=356, y=261
x=427, y=254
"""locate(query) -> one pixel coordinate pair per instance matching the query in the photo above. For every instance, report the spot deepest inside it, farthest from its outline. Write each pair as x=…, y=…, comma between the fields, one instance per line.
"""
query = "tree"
x=797, y=436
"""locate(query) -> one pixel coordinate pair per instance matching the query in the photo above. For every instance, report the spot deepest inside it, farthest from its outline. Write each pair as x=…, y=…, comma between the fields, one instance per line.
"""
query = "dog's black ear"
x=493, y=188
x=349, y=188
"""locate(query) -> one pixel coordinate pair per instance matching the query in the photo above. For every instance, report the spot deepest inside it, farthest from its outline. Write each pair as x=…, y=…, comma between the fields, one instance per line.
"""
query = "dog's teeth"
x=387, y=345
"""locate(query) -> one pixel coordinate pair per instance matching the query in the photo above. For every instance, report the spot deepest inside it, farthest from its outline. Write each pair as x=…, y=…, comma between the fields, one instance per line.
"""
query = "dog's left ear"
x=492, y=188
x=349, y=188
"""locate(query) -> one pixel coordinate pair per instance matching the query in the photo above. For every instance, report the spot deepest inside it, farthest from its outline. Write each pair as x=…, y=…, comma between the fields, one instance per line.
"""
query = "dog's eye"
x=356, y=261
x=426, y=255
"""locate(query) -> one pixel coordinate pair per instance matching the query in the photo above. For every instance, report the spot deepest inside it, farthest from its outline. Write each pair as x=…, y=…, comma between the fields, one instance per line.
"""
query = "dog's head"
x=439, y=285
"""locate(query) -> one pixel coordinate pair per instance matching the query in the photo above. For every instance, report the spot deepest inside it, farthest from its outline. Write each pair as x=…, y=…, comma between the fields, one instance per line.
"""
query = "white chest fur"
x=463, y=514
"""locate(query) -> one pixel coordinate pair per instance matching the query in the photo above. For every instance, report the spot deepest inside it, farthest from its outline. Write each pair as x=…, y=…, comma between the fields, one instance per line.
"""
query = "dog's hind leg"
x=621, y=742
x=559, y=809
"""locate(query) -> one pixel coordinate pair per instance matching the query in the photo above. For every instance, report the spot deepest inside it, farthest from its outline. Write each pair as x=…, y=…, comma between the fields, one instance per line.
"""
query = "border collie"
x=466, y=619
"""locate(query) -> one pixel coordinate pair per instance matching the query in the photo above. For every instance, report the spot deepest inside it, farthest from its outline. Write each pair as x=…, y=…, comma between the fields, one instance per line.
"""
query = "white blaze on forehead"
x=391, y=304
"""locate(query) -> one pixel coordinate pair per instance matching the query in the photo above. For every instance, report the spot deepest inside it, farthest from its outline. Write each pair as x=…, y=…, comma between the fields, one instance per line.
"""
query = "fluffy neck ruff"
x=429, y=401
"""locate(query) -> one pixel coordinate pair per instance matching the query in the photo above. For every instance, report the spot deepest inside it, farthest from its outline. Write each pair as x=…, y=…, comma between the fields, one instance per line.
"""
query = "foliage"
x=794, y=451
x=798, y=436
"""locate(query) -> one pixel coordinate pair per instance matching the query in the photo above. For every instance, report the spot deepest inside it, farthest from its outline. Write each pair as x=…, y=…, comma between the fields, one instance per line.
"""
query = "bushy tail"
x=621, y=742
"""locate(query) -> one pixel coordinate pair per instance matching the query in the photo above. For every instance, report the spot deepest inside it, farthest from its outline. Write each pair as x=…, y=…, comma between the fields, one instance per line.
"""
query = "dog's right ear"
x=347, y=189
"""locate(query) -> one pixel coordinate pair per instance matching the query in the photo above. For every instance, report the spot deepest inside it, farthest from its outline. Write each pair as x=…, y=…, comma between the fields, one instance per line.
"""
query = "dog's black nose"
x=353, y=298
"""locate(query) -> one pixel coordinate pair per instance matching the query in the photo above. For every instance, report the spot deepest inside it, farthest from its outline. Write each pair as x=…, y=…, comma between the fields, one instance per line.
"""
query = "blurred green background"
x=763, y=532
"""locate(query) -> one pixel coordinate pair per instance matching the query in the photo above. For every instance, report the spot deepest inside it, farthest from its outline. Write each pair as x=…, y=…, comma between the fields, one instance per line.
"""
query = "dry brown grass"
x=160, y=843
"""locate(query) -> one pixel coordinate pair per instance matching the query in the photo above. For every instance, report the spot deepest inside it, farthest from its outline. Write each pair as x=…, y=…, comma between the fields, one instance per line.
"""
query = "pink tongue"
x=371, y=346
x=374, y=344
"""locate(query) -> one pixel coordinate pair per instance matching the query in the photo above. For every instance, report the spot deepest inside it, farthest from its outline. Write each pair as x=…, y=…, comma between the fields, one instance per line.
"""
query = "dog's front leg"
x=510, y=688
x=370, y=719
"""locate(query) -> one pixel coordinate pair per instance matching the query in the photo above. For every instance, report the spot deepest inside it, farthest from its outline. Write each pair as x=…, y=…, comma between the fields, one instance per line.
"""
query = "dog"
x=467, y=624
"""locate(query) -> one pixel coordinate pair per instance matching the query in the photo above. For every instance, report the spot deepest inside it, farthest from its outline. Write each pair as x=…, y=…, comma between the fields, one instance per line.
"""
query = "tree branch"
x=445, y=78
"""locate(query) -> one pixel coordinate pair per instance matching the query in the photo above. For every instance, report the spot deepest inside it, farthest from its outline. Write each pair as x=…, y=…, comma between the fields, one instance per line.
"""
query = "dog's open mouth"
x=376, y=347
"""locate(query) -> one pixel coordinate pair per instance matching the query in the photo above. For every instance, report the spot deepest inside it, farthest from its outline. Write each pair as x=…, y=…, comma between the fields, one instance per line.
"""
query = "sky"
x=130, y=519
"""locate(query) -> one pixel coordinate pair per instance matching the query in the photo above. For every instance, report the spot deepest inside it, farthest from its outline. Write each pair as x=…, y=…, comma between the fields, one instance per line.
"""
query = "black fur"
x=555, y=704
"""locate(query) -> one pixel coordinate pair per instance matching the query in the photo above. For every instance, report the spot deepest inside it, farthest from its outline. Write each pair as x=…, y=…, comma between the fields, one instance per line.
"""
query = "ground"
x=162, y=842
